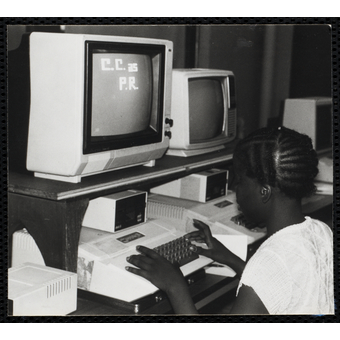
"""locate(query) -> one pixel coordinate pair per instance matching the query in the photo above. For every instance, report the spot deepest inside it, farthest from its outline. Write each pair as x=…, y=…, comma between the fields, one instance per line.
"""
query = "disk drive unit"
x=201, y=187
x=117, y=211
x=36, y=290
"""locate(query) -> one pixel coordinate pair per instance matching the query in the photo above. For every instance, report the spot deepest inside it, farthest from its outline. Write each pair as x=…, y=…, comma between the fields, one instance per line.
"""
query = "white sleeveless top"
x=292, y=271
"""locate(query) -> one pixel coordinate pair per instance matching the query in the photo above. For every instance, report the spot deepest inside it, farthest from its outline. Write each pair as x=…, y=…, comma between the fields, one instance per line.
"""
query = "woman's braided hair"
x=280, y=157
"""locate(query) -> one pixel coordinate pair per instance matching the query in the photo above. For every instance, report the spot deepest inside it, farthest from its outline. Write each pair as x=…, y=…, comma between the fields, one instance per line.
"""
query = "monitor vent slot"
x=232, y=123
x=58, y=287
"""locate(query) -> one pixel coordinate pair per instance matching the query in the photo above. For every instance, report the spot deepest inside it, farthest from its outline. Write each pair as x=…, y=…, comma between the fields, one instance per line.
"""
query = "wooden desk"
x=53, y=211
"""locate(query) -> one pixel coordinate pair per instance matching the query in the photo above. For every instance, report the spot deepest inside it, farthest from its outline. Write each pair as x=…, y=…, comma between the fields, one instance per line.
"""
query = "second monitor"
x=203, y=110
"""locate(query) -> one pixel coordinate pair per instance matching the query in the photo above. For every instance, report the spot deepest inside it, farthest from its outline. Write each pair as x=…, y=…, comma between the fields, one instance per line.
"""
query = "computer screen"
x=123, y=96
x=206, y=104
x=98, y=103
x=131, y=80
x=203, y=110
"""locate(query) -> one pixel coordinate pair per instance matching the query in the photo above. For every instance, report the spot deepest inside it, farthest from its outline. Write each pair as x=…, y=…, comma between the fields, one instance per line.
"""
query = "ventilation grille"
x=232, y=123
x=161, y=210
x=58, y=287
x=25, y=249
x=23, y=240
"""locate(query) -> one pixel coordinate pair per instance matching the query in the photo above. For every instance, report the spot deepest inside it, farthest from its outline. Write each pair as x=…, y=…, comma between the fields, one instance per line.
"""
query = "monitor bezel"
x=106, y=143
x=225, y=96
x=180, y=144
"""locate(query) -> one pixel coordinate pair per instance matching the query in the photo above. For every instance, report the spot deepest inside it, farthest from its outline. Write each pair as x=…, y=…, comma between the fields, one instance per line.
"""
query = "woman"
x=292, y=271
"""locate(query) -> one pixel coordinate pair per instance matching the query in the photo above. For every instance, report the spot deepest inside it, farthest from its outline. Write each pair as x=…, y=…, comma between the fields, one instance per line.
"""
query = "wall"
x=271, y=63
x=311, y=61
x=176, y=34
x=260, y=58
x=240, y=49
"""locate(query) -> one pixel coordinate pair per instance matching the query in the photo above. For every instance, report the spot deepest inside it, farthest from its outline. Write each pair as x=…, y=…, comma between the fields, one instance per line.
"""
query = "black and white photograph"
x=170, y=170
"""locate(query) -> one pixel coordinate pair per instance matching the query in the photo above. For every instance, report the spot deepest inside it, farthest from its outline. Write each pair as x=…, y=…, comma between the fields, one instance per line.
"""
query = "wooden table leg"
x=54, y=225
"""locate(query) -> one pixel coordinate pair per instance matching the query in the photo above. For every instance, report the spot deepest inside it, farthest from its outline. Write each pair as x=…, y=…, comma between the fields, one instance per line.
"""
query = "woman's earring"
x=265, y=193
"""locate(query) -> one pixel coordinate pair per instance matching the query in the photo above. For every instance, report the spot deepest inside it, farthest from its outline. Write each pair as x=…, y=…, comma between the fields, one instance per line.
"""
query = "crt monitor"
x=313, y=117
x=98, y=103
x=203, y=110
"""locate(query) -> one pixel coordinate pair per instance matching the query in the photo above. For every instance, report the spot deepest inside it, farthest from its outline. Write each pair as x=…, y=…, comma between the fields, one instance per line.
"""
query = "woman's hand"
x=155, y=268
x=216, y=250
x=165, y=276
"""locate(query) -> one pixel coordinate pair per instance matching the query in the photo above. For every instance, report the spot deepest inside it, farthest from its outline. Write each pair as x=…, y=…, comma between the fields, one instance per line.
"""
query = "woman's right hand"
x=216, y=250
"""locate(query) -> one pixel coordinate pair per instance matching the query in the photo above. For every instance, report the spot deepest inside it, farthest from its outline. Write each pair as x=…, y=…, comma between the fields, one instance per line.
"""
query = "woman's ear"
x=266, y=192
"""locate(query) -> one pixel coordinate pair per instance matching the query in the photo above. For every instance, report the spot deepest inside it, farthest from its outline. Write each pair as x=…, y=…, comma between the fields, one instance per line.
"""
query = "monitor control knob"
x=169, y=121
x=167, y=134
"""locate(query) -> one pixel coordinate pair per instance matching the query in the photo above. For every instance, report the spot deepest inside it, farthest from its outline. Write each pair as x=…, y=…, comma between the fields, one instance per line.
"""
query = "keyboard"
x=177, y=251
x=102, y=258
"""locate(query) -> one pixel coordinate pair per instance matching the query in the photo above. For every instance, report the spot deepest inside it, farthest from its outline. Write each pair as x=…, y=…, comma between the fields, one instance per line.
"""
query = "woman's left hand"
x=155, y=268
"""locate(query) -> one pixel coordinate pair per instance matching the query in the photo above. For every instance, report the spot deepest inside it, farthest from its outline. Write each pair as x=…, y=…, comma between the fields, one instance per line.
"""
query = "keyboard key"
x=177, y=251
